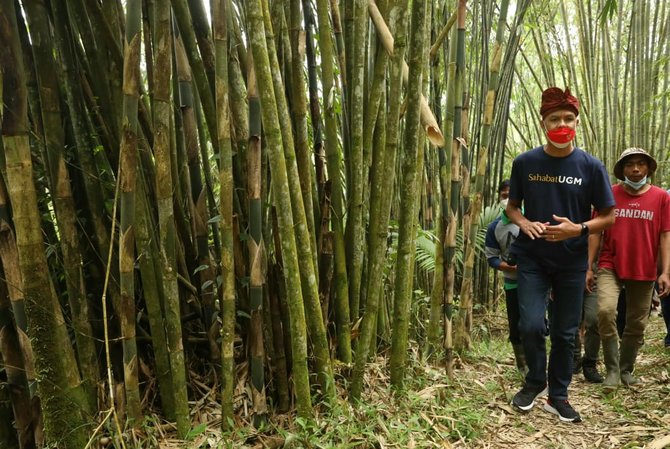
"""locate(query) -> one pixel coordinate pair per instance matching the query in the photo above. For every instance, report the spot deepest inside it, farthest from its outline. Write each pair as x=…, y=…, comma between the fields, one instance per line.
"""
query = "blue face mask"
x=635, y=185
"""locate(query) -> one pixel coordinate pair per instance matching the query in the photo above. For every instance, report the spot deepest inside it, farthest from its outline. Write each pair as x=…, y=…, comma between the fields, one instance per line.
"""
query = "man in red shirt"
x=628, y=258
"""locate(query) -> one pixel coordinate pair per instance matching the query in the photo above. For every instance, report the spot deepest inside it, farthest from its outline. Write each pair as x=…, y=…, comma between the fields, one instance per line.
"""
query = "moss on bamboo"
x=334, y=172
x=412, y=167
x=226, y=210
x=308, y=277
x=284, y=210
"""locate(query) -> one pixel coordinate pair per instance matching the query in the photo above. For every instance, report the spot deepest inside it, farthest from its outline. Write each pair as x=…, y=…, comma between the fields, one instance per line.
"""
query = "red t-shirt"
x=630, y=247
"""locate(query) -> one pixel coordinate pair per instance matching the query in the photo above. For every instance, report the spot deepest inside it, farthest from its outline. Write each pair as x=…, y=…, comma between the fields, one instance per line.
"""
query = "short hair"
x=504, y=184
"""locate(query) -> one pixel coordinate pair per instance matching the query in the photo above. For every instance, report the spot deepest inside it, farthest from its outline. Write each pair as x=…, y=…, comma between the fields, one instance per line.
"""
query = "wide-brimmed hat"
x=618, y=167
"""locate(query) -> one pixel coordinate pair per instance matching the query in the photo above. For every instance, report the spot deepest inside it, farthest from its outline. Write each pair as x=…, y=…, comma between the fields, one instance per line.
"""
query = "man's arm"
x=533, y=229
x=493, y=252
x=603, y=220
x=594, y=248
x=491, y=247
x=664, y=277
x=566, y=229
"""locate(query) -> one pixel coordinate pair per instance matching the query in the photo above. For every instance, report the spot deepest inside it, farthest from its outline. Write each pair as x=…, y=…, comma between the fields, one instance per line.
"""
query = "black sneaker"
x=592, y=375
x=563, y=410
x=524, y=400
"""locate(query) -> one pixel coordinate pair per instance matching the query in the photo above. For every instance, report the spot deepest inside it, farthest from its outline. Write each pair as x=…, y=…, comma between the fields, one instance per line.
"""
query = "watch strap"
x=585, y=229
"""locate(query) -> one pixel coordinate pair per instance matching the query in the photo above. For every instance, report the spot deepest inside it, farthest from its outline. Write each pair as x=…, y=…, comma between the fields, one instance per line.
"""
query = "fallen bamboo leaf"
x=659, y=443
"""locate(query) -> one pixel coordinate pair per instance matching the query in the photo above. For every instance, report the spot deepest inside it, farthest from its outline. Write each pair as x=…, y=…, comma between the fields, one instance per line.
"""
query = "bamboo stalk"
x=64, y=206
x=62, y=404
x=166, y=225
x=128, y=175
x=299, y=114
x=382, y=179
x=428, y=121
x=463, y=337
x=334, y=160
x=256, y=255
x=257, y=40
x=199, y=212
x=304, y=242
x=450, y=182
x=354, y=236
x=442, y=36
x=220, y=29
x=147, y=248
x=14, y=351
x=314, y=108
x=412, y=168
x=184, y=21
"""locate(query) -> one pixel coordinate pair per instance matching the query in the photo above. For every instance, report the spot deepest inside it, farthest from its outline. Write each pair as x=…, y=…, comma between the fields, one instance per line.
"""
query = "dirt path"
x=627, y=418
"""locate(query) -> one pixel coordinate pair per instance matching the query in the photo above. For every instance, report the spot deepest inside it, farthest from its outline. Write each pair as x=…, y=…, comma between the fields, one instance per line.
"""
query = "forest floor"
x=470, y=411
x=627, y=418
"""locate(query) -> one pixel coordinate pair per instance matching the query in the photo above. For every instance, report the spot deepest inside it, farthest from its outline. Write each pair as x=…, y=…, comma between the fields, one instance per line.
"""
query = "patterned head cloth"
x=554, y=98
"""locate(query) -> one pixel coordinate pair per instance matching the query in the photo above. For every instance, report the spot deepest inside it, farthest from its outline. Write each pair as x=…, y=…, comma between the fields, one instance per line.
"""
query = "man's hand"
x=590, y=281
x=565, y=229
x=663, y=285
x=504, y=266
x=534, y=229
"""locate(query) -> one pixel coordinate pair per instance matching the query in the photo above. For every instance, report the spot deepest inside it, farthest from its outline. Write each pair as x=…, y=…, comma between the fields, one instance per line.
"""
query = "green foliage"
x=200, y=268
x=607, y=12
x=194, y=432
x=427, y=241
x=426, y=245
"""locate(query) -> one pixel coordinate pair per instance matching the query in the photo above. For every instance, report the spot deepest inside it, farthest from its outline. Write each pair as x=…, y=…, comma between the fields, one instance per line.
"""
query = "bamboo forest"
x=261, y=223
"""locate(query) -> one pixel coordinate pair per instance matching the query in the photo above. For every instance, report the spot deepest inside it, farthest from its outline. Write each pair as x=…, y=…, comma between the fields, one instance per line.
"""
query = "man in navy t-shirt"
x=558, y=184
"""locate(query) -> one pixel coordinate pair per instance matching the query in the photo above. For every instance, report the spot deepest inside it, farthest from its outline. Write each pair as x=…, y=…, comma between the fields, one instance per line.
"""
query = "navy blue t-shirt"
x=563, y=186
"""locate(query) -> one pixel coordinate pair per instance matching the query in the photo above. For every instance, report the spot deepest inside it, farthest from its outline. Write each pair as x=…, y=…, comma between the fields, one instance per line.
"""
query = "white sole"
x=552, y=410
x=532, y=404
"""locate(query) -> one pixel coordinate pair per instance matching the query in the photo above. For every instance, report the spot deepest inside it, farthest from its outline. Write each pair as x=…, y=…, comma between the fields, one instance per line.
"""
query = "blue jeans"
x=567, y=287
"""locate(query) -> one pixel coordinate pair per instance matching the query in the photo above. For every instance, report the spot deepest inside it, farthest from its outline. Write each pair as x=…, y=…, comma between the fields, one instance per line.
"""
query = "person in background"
x=628, y=257
x=588, y=362
x=500, y=235
x=621, y=313
x=665, y=312
x=558, y=184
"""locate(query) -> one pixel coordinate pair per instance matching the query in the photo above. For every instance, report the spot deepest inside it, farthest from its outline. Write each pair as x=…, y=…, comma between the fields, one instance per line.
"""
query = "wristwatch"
x=585, y=229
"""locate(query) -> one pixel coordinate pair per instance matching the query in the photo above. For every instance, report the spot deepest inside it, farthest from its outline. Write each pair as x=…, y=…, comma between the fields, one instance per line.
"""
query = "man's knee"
x=605, y=315
x=532, y=330
x=635, y=328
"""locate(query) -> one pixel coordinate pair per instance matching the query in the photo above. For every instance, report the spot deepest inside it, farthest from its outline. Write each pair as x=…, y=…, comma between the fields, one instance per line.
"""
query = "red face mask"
x=562, y=135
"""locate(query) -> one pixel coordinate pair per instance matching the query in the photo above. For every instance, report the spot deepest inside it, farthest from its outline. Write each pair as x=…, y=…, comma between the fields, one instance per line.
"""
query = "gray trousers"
x=588, y=332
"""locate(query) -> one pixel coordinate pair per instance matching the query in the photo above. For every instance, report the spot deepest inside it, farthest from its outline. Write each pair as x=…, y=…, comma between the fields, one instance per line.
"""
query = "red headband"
x=555, y=98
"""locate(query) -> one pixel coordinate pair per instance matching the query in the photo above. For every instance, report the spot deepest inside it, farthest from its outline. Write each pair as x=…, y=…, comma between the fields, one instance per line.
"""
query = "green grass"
x=616, y=401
